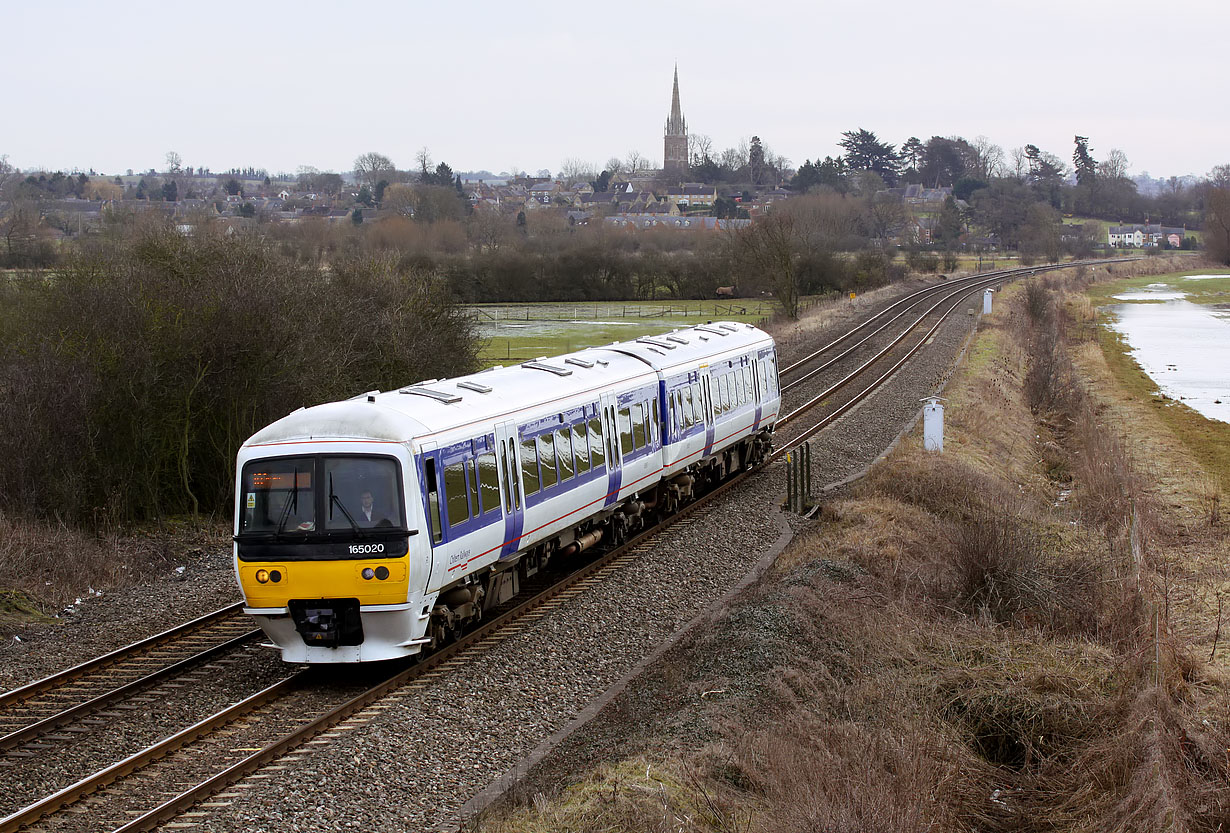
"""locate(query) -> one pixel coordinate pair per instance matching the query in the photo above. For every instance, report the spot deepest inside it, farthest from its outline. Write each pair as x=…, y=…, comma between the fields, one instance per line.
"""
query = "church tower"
x=675, y=145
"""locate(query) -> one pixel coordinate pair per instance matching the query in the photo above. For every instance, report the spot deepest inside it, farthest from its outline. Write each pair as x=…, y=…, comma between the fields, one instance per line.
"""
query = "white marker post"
x=933, y=424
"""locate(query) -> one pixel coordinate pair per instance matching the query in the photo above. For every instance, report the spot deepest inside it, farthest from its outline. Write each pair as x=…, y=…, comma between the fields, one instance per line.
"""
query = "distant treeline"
x=130, y=375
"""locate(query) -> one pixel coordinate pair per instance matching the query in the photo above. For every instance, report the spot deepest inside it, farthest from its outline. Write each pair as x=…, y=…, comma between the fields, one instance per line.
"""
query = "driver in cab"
x=368, y=514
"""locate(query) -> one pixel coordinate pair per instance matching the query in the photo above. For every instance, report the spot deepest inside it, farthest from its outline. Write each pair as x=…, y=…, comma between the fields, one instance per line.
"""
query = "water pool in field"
x=1184, y=347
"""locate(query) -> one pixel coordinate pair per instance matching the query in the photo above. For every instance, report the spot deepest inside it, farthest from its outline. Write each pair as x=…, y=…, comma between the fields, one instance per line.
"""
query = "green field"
x=521, y=332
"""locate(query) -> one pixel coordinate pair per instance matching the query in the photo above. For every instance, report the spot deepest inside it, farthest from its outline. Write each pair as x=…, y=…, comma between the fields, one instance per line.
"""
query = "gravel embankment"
x=126, y=727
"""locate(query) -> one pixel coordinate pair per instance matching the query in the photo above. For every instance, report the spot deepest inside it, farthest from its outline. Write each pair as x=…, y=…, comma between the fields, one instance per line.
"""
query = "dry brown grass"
x=48, y=566
x=815, y=775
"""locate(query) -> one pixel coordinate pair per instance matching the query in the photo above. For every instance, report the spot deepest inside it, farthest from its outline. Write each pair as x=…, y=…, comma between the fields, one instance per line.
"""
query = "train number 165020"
x=363, y=549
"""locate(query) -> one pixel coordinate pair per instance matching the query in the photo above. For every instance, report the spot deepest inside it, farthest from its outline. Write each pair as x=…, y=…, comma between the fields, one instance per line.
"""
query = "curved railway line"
x=303, y=710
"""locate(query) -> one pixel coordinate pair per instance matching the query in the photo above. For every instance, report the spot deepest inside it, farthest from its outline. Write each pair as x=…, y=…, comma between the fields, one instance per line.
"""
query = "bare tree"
x=577, y=170
x=635, y=163
x=885, y=218
x=776, y=163
x=700, y=147
x=734, y=158
x=8, y=174
x=770, y=247
x=175, y=162
x=1217, y=215
x=488, y=229
x=1115, y=166
x=422, y=159
x=1018, y=164
x=614, y=166
x=372, y=167
x=988, y=157
x=400, y=198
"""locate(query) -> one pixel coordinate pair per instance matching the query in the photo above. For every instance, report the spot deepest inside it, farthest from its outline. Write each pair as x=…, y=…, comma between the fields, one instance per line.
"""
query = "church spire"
x=675, y=125
x=675, y=144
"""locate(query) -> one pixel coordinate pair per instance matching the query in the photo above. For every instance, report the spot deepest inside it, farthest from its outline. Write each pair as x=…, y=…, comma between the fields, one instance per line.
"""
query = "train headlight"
x=369, y=573
x=262, y=576
x=382, y=572
x=275, y=576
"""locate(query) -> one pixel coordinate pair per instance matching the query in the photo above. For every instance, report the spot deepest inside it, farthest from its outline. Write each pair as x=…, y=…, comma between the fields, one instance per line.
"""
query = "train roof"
x=500, y=393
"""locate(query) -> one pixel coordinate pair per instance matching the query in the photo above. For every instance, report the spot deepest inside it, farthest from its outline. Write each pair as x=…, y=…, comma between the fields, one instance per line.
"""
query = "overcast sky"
x=504, y=85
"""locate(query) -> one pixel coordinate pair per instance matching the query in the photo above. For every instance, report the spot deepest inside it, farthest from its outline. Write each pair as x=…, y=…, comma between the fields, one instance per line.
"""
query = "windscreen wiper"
x=293, y=498
x=334, y=499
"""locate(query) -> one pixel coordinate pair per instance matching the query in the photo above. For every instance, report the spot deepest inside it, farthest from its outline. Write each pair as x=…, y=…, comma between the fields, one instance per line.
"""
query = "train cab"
x=328, y=552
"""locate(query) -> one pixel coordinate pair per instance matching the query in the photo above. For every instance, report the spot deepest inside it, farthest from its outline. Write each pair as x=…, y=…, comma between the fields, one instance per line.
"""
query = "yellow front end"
x=324, y=580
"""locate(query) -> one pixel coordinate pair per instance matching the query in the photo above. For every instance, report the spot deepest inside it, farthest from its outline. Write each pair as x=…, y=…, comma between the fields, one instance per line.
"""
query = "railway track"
x=881, y=322
x=64, y=705
x=168, y=778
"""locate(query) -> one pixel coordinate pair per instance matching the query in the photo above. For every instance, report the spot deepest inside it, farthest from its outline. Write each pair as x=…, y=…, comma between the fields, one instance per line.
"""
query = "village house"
x=1147, y=235
x=692, y=195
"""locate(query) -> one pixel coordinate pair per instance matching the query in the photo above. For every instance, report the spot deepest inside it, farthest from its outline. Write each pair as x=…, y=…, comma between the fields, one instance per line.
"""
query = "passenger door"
x=609, y=404
x=511, y=498
x=710, y=416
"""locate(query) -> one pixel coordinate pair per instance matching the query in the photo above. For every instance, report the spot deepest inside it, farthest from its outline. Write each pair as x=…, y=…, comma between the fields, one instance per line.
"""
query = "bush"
x=130, y=376
x=921, y=260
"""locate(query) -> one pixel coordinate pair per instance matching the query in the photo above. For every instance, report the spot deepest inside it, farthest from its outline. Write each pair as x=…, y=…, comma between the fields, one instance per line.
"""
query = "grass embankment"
x=1014, y=635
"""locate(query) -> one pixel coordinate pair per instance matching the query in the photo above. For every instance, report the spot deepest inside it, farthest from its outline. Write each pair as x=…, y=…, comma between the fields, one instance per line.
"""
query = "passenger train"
x=371, y=528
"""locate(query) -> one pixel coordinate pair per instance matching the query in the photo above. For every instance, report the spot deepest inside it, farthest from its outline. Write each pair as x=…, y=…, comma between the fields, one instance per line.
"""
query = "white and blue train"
x=370, y=528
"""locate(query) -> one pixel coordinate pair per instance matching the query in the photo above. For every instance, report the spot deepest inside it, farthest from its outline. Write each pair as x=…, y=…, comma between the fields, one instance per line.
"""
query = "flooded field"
x=1184, y=346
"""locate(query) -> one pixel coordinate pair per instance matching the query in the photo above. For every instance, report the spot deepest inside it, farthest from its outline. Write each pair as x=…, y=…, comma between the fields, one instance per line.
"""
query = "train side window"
x=771, y=372
x=472, y=473
x=529, y=465
x=516, y=481
x=546, y=461
x=749, y=394
x=597, y=449
x=638, y=425
x=563, y=452
x=654, y=421
x=455, y=498
x=698, y=399
x=488, y=482
x=433, y=500
x=508, y=504
x=580, y=447
x=625, y=431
